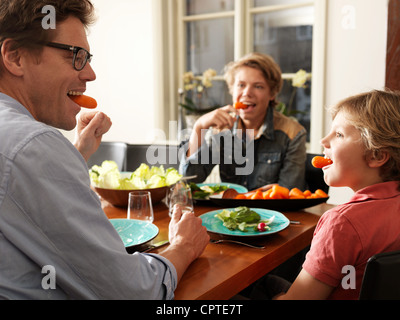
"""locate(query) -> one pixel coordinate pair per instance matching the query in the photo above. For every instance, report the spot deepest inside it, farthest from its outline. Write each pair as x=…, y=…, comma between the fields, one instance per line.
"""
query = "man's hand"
x=186, y=229
x=219, y=119
x=89, y=131
x=188, y=239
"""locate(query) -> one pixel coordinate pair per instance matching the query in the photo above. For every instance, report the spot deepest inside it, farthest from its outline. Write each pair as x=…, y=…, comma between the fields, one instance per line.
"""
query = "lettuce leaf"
x=239, y=218
x=108, y=176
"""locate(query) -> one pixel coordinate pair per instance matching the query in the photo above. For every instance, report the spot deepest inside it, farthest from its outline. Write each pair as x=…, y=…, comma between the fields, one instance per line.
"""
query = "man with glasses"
x=50, y=219
x=80, y=58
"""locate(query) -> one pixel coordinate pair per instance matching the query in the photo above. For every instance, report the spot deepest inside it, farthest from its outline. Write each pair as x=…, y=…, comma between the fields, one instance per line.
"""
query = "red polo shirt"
x=349, y=234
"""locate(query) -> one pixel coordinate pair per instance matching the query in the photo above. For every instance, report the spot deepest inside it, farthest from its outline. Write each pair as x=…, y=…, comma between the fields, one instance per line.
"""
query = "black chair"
x=152, y=155
x=115, y=151
x=381, y=279
x=314, y=176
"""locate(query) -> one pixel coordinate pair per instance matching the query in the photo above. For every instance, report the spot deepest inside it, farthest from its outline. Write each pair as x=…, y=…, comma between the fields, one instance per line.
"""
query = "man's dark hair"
x=21, y=20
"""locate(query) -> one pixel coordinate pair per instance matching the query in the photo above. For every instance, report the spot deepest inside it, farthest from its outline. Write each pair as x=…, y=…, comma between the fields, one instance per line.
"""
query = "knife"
x=155, y=246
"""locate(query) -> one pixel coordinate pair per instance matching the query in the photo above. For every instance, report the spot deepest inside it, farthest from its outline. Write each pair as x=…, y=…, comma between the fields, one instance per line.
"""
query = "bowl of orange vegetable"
x=276, y=198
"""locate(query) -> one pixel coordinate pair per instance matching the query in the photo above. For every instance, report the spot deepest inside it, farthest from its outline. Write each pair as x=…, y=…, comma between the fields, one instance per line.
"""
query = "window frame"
x=243, y=35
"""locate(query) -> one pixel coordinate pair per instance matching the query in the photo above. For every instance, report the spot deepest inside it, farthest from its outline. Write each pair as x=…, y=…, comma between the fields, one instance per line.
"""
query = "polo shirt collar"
x=384, y=190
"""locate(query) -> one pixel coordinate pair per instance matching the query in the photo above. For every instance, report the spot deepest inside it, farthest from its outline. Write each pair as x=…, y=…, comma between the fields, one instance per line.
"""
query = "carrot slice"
x=84, y=101
x=296, y=193
x=297, y=197
x=320, y=162
x=279, y=192
x=307, y=193
x=240, y=196
x=257, y=195
x=320, y=193
x=240, y=105
x=267, y=194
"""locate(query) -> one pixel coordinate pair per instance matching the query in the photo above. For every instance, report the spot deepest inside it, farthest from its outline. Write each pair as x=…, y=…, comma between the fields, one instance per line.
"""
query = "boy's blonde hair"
x=265, y=63
x=376, y=114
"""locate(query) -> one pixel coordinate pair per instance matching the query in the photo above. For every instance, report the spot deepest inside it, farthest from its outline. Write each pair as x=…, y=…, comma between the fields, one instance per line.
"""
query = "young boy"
x=364, y=145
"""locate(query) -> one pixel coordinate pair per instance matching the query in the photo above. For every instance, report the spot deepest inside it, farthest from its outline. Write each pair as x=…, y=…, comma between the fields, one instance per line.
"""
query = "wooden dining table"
x=225, y=269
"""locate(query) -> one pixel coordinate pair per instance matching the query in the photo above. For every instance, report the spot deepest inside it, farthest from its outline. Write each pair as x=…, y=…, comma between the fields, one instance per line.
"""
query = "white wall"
x=356, y=55
x=123, y=58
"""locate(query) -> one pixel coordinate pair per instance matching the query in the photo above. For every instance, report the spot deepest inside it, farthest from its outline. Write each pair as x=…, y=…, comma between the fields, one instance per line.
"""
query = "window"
x=286, y=35
x=212, y=33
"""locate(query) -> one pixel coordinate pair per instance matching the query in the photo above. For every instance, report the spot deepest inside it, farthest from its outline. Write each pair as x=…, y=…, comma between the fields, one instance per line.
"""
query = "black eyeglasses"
x=81, y=55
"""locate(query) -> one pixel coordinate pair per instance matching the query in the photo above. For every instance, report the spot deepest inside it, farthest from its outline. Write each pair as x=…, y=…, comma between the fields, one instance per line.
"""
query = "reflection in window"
x=287, y=36
x=209, y=45
x=298, y=105
x=194, y=7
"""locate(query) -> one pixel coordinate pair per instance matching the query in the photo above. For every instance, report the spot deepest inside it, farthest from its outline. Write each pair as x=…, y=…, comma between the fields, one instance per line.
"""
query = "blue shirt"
x=49, y=216
x=277, y=155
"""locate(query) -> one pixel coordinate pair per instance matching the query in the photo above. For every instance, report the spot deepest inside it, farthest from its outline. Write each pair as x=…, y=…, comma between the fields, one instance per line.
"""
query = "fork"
x=237, y=242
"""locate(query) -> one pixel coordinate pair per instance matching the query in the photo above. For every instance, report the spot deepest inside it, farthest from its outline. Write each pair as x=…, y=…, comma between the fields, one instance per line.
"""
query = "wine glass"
x=140, y=207
x=180, y=194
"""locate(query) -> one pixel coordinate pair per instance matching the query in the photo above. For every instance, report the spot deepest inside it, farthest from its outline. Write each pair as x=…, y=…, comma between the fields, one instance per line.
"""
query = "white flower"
x=193, y=96
x=207, y=77
x=189, y=87
x=299, y=79
x=207, y=83
x=192, y=82
x=188, y=77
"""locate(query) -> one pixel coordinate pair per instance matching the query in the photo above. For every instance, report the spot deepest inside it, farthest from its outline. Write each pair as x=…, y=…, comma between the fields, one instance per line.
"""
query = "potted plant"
x=298, y=81
x=193, y=99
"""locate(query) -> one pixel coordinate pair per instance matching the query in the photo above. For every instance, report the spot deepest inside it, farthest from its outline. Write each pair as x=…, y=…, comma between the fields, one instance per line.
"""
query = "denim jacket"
x=277, y=155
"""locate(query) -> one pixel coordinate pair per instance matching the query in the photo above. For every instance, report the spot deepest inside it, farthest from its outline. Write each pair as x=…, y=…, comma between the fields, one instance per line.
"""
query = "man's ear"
x=378, y=159
x=12, y=58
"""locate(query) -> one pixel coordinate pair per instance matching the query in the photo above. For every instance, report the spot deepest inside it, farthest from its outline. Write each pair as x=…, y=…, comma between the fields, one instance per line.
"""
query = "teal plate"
x=272, y=204
x=215, y=225
x=237, y=187
x=134, y=232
